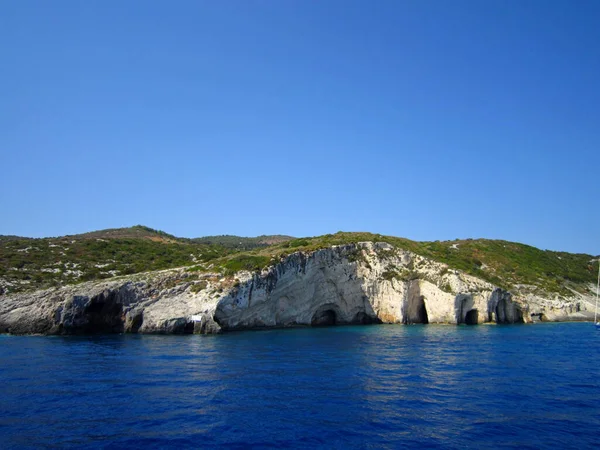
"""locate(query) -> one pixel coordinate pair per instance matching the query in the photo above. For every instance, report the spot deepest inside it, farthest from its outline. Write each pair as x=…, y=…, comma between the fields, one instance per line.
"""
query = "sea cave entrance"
x=507, y=312
x=362, y=318
x=422, y=316
x=324, y=318
x=472, y=317
x=464, y=310
x=416, y=311
x=104, y=315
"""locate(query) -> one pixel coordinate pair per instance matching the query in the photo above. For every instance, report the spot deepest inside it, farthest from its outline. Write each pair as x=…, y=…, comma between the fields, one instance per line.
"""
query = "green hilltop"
x=27, y=263
x=243, y=243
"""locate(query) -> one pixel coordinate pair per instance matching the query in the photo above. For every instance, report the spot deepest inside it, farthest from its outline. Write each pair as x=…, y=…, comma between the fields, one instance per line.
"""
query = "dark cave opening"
x=472, y=317
x=363, y=318
x=422, y=316
x=188, y=328
x=538, y=317
x=324, y=318
x=506, y=312
x=104, y=315
x=501, y=311
x=417, y=311
x=136, y=322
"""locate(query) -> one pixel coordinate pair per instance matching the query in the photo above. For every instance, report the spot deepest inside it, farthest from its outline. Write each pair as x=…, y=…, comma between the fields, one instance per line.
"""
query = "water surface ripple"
x=533, y=386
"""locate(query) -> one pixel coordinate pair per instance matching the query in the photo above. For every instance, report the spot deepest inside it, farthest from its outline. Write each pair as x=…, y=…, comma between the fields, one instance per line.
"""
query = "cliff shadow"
x=472, y=317
x=502, y=309
x=326, y=315
x=103, y=314
x=415, y=310
x=464, y=311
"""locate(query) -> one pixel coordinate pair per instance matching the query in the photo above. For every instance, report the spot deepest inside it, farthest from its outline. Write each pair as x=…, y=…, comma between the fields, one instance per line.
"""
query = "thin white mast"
x=597, y=290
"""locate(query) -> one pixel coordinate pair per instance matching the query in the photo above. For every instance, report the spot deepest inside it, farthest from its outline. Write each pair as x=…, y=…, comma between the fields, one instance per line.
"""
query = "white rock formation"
x=363, y=283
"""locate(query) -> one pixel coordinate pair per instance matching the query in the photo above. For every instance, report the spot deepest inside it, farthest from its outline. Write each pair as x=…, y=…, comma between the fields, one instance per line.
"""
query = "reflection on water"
x=391, y=386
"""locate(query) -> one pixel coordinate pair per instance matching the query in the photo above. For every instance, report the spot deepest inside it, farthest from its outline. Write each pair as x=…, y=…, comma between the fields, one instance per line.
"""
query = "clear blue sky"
x=423, y=119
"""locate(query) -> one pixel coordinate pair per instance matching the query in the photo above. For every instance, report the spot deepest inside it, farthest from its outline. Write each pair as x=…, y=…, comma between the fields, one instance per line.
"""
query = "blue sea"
x=386, y=386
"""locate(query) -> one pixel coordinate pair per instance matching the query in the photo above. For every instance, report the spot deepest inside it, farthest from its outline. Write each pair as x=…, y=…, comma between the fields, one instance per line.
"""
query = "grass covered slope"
x=243, y=243
x=511, y=264
x=506, y=264
x=27, y=264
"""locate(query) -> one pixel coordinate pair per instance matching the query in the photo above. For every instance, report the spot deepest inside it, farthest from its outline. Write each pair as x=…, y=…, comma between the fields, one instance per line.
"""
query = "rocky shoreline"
x=361, y=283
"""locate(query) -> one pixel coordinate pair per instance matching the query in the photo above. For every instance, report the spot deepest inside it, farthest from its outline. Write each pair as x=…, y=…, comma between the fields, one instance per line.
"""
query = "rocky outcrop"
x=160, y=302
x=352, y=284
x=368, y=283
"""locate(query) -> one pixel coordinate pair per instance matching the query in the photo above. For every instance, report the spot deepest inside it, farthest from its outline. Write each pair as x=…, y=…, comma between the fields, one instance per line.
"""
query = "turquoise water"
x=528, y=386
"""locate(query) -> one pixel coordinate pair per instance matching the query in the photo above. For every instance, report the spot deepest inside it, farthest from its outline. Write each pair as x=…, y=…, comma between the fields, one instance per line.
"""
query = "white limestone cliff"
x=362, y=283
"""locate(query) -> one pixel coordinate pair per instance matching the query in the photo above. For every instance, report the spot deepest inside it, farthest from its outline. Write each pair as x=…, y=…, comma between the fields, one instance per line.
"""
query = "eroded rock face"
x=353, y=284
x=154, y=303
x=321, y=288
x=415, y=310
x=368, y=283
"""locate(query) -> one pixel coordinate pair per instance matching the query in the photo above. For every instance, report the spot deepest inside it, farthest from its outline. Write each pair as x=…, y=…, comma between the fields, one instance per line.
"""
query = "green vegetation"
x=253, y=263
x=27, y=264
x=135, y=232
x=503, y=263
x=402, y=274
x=390, y=275
x=199, y=286
x=509, y=263
x=357, y=255
x=298, y=243
x=242, y=243
x=38, y=263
